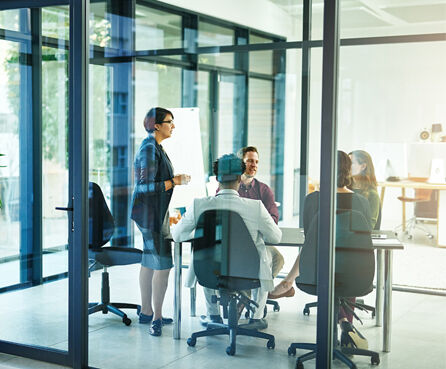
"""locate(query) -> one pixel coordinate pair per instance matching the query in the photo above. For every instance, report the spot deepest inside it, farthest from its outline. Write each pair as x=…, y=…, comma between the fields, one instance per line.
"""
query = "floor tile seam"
x=182, y=357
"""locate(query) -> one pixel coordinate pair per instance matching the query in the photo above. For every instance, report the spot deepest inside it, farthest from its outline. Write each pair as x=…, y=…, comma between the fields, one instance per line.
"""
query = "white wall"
x=387, y=93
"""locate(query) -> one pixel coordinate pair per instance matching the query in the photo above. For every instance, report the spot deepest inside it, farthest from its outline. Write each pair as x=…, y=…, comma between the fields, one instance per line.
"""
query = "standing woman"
x=154, y=183
x=364, y=183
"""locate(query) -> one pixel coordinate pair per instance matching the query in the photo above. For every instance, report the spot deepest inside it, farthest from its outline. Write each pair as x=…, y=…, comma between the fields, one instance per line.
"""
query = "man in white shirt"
x=259, y=223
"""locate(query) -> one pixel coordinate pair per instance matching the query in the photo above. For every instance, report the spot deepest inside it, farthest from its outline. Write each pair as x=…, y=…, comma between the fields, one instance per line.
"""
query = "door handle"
x=67, y=209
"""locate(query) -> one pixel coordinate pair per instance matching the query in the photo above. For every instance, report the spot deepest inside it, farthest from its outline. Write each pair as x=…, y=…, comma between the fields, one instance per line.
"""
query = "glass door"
x=36, y=224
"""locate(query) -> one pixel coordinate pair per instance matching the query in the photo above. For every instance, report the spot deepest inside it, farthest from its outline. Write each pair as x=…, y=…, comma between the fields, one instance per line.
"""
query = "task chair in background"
x=354, y=272
x=425, y=207
x=222, y=247
x=101, y=228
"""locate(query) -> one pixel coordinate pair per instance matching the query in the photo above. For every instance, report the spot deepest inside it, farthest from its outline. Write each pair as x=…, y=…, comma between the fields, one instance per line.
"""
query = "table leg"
x=177, y=297
x=193, y=301
x=387, y=301
x=379, y=287
x=403, y=207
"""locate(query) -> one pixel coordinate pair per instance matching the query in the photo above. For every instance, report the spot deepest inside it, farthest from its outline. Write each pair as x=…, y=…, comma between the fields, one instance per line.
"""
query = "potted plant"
x=1, y=166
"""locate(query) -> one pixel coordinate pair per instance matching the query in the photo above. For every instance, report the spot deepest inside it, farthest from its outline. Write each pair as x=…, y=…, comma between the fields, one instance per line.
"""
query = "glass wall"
x=34, y=177
x=233, y=76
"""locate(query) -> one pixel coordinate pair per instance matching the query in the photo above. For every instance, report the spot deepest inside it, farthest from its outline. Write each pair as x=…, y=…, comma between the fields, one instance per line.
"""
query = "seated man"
x=228, y=170
x=252, y=188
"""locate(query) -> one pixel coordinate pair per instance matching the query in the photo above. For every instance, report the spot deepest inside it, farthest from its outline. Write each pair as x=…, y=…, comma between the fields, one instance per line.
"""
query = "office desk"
x=294, y=237
x=441, y=215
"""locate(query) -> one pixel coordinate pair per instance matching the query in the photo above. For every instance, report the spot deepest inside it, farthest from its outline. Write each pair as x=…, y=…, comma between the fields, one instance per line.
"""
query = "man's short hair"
x=228, y=167
x=244, y=150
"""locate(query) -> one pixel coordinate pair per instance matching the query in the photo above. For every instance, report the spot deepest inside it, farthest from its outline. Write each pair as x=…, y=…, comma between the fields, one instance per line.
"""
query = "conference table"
x=294, y=237
x=441, y=204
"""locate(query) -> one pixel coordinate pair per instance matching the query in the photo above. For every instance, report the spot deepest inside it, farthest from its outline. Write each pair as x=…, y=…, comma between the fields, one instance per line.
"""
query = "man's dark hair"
x=244, y=150
x=155, y=116
x=228, y=167
x=344, y=170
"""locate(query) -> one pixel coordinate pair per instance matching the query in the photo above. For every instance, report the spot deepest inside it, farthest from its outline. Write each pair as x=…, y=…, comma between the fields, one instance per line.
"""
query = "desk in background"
x=294, y=237
x=441, y=217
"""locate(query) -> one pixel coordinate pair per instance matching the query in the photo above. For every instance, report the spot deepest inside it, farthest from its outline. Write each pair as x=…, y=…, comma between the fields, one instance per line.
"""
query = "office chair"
x=425, y=201
x=101, y=228
x=222, y=247
x=359, y=303
x=354, y=272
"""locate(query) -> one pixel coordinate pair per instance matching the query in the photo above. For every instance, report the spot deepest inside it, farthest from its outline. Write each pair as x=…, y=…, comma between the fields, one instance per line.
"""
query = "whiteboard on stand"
x=185, y=152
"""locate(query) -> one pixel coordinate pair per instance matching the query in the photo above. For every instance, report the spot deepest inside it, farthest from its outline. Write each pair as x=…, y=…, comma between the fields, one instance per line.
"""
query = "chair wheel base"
x=271, y=344
x=375, y=360
x=230, y=350
x=191, y=342
x=126, y=321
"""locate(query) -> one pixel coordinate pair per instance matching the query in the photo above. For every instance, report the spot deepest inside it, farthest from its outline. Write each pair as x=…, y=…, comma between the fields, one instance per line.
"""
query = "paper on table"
x=388, y=241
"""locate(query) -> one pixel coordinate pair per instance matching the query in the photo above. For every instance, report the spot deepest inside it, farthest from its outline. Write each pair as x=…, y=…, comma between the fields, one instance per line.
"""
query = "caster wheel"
x=271, y=344
x=191, y=342
x=126, y=321
x=430, y=237
x=306, y=311
x=230, y=350
x=247, y=314
x=375, y=360
x=373, y=315
x=299, y=365
x=291, y=351
x=409, y=237
x=276, y=308
x=265, y=311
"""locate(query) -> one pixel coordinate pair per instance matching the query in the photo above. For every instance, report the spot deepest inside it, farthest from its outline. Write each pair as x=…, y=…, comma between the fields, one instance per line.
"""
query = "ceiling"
x=376, y=13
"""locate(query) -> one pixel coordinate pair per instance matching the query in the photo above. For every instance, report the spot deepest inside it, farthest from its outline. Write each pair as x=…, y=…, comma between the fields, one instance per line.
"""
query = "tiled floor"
x=39, y=316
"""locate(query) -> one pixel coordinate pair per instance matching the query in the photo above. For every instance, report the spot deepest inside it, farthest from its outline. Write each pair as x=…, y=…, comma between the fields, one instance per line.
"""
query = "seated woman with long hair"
x=345, y=199
x=364, y=182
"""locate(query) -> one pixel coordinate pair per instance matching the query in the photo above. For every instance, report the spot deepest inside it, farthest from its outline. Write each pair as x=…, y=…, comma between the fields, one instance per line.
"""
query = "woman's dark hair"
x=155, y=116
x=344, y=170
x=228, y=167
x=366, y=180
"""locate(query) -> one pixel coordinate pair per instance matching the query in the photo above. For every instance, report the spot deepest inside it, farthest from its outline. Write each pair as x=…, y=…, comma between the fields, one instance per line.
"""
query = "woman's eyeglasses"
x=168, y=121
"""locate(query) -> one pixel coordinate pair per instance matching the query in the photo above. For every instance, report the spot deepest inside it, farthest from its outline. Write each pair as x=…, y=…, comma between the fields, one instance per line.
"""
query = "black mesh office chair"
x=354, y=272
x=359, y=304
x=226, y=259
x=101, y=228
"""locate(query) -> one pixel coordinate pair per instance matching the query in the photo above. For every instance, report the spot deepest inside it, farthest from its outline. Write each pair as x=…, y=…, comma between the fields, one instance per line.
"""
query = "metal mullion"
x=46, y=354
x=17, y=4
x=78, y=184
x=55, y=43
x=14, y=36
x=36, y=73
x=221, y=70
x=26, y=146
x=189, y=95
x=262, y=76
x=305, y=107
x=325, y=257
x=278, y=129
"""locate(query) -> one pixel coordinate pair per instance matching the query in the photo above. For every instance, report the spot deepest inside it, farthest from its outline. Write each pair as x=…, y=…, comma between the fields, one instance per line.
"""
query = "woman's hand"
x=181, y=179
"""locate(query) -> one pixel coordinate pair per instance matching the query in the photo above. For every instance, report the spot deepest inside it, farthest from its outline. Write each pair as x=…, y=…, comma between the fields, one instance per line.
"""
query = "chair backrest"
x=354, y=256
x=101, y=223
x=427, y=206
x=225, y=255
